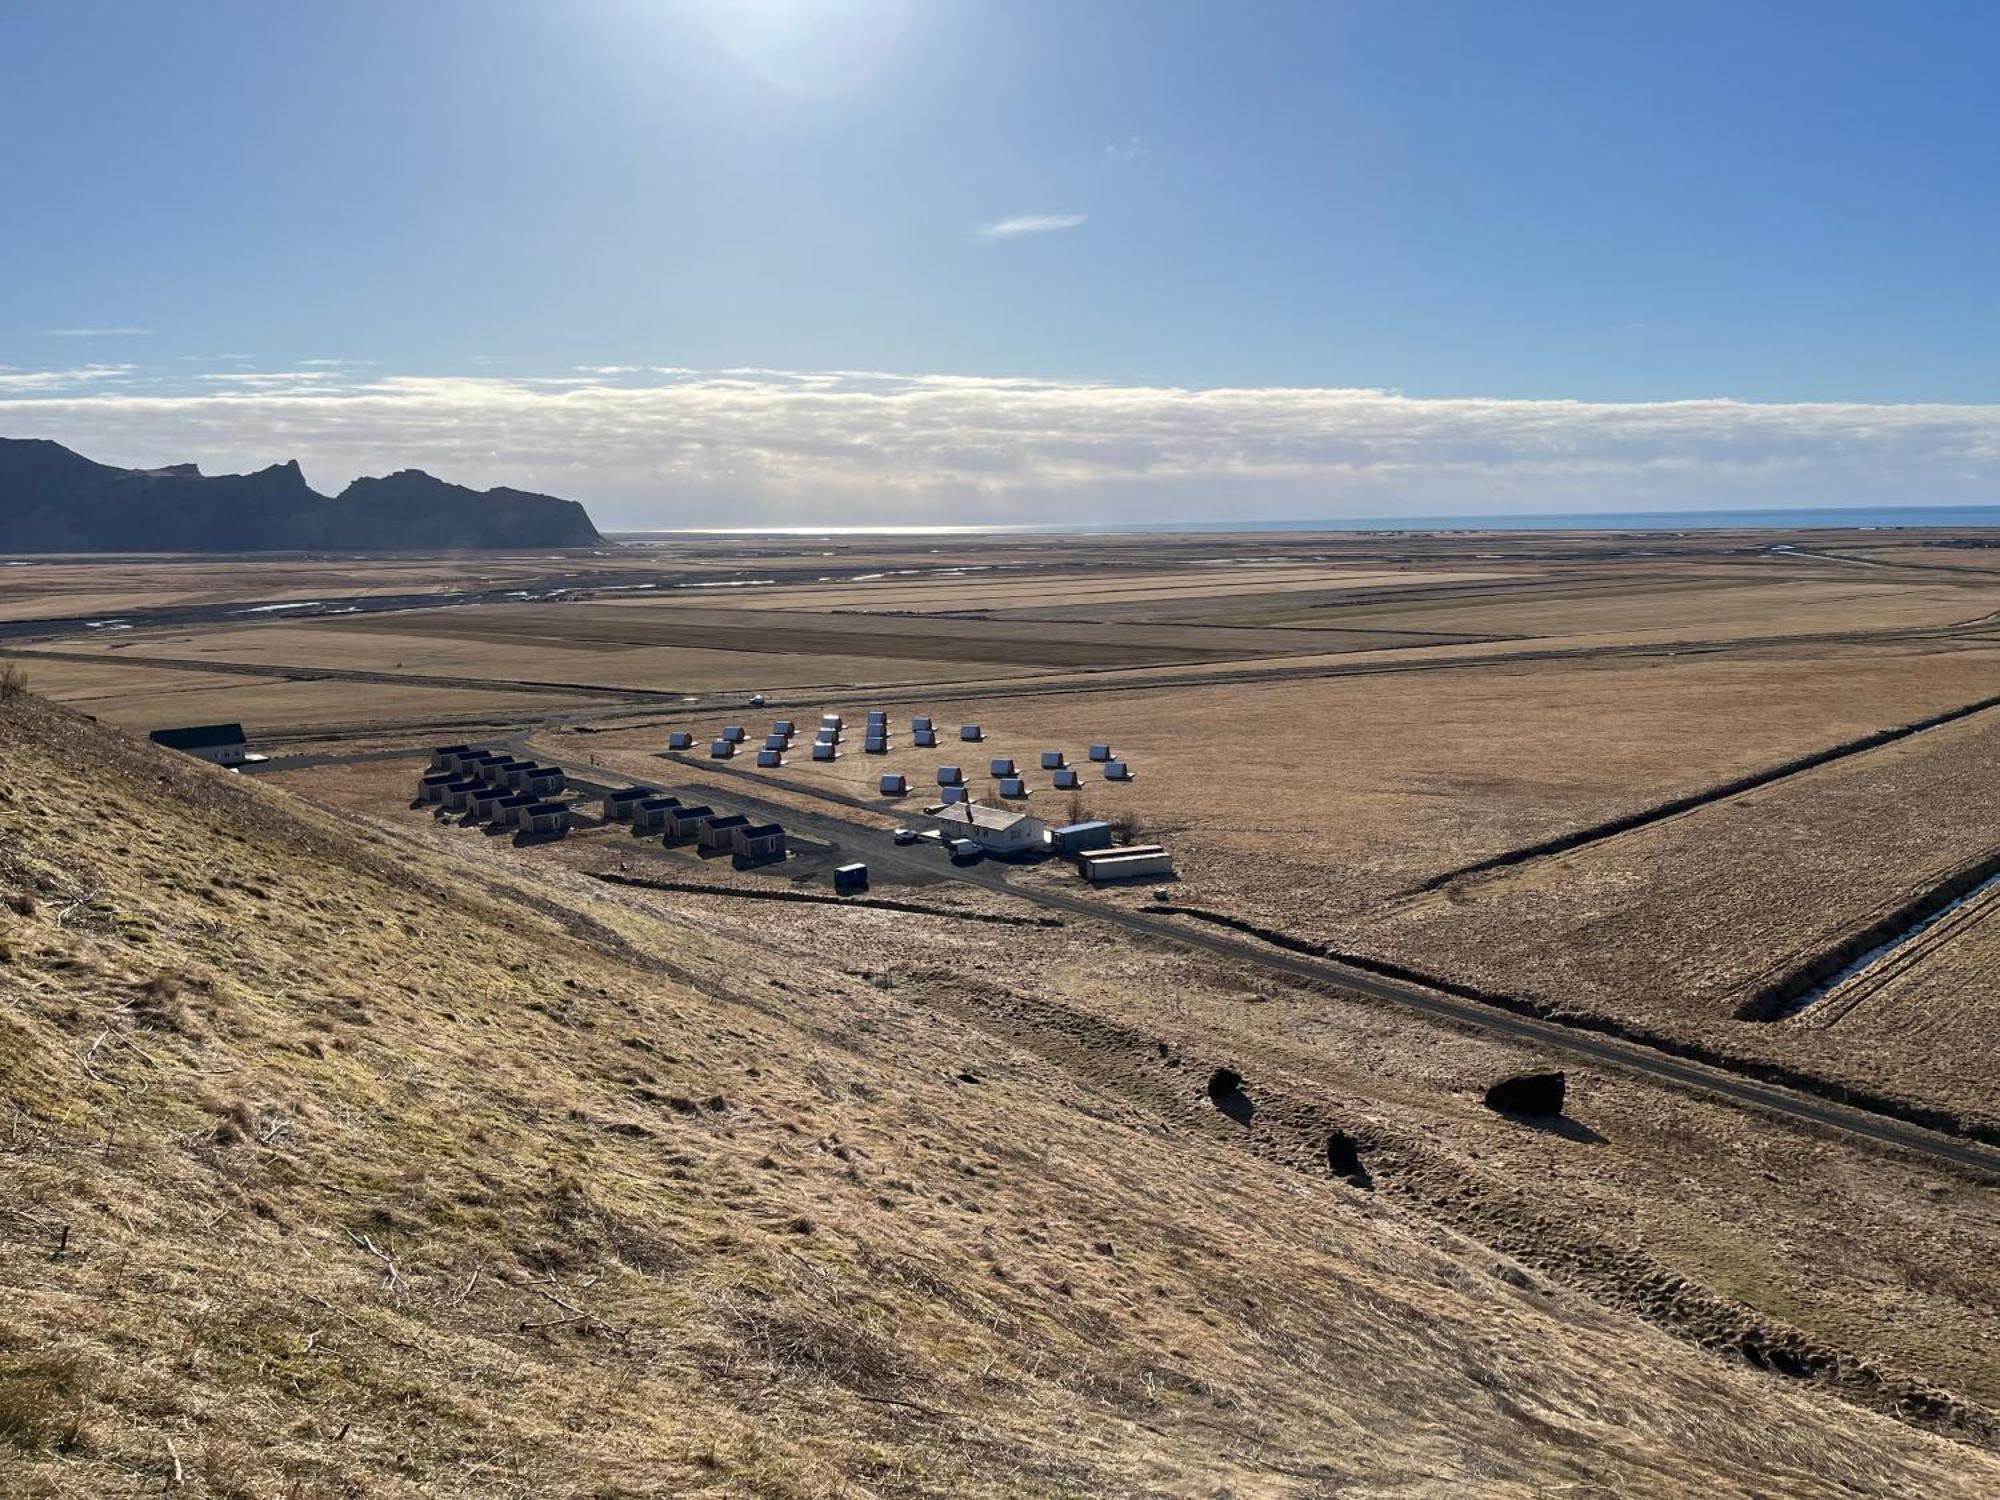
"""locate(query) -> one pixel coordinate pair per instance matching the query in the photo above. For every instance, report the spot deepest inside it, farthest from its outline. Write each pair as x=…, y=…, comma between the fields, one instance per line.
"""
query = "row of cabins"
x=497, y=804
x=650, y=812
x=495, y=765
x=832, y=727
x=1012, y=784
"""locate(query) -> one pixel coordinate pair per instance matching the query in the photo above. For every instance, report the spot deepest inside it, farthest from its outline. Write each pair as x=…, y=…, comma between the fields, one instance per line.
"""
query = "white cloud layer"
x=13, y=381
x=667, y=446
x=1020, y=224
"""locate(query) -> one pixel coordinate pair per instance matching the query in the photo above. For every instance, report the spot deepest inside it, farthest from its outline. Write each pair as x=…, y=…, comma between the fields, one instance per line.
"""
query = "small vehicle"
x=906, y=835
x=756, y=700
x=963, y=851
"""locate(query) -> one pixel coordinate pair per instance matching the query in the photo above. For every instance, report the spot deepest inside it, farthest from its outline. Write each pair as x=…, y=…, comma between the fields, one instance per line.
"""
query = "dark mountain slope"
x=430, y=513
x=54, y=500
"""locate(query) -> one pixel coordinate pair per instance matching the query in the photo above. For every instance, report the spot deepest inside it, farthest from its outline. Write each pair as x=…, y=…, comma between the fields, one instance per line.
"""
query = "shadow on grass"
x=1561, y=1125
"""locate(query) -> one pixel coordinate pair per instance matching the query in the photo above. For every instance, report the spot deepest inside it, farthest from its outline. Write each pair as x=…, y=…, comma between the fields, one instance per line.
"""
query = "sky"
x=739, y=262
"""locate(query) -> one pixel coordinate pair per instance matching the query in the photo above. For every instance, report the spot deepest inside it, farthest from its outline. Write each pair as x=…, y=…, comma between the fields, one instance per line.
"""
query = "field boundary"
x=1790, y=994
x=1660, y=811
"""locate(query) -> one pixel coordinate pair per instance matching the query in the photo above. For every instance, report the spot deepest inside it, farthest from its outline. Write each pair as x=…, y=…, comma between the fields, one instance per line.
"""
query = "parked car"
x=906, y=835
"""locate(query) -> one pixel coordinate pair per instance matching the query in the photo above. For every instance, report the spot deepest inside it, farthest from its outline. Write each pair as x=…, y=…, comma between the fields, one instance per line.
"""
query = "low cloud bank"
x=673, y=447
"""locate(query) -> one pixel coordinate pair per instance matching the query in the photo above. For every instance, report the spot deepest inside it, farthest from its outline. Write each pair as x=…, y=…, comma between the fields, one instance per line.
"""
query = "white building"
x=997, y=830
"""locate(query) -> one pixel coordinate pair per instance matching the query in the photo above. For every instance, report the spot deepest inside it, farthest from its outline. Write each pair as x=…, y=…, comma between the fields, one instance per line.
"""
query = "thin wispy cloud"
x=1131, y=149
x=119, y=331
x=1021, y=224
x=27, y=381
x=686, y=447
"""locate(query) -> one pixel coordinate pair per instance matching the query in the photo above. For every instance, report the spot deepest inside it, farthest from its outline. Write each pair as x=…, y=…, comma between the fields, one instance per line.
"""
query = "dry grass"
x=1690, y=925
x=453, y=1174
x=141, y=697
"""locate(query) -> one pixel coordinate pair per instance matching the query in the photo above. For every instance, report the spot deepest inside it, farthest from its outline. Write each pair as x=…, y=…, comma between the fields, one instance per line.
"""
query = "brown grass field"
x=351, y=1151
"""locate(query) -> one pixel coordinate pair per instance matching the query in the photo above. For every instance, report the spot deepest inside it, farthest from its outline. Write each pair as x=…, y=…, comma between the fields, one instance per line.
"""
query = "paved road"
x=290, y=673
x=350, y=758
x=924, y=863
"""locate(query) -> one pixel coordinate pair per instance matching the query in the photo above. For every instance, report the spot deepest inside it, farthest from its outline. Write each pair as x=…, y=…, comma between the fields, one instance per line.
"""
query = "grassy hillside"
x=336, y=1164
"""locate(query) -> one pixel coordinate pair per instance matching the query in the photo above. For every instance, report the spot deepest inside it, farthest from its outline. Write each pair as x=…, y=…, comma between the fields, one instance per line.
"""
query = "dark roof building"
x=222, y=743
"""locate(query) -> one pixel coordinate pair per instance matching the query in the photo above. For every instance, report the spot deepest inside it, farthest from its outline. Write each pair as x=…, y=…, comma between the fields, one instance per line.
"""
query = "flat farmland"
x=144, y=698
x=1699, y=925
x=30, y=588
x=1674, y=608
x=964, y=590
x=1307, y=804
x=947, y=641
x=1934, y=998
x=501, y=658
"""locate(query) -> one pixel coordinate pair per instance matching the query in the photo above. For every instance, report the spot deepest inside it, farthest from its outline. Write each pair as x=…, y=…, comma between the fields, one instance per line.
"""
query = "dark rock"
x=54, y=500
x=1343, y=1157
x=1528, y=1094
x=1225, y=1092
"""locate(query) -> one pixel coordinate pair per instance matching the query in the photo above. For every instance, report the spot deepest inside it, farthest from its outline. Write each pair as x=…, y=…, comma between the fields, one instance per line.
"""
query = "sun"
x=807, y=47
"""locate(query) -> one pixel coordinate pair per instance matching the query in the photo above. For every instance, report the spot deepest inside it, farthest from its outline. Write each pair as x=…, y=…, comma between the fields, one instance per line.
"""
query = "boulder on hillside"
x=1343, y=1158
x=1528, y=1094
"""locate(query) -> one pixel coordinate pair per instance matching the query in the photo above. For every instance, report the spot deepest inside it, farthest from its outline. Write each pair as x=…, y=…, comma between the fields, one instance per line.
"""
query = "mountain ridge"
x=53, y=499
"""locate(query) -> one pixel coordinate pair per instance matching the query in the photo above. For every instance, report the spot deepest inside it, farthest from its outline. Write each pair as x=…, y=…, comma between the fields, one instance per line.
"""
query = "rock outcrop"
x=55, y=500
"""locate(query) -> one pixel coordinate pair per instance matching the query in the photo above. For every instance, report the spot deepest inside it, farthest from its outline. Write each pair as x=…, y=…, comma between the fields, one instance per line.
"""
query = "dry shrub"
x=1127, y=828
x=159, y=1005
x=238, y=1123
x=13, y=682
x=23, y=903
x=821, y=1345
x=229, y=1469
x=41, y=1406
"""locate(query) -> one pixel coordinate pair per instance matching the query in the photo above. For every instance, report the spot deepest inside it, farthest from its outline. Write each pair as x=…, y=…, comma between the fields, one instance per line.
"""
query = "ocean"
x=1855, y=518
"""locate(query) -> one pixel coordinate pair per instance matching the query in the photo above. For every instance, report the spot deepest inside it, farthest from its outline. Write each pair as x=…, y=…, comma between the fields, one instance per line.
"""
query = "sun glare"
x=808, y=47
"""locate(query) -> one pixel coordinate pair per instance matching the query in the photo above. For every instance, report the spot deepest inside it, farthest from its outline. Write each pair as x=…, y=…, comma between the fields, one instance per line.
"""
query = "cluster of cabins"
x=1011, y=779
x=504, y=791
x=829, y=738
x=968, y=829
x=495, y=788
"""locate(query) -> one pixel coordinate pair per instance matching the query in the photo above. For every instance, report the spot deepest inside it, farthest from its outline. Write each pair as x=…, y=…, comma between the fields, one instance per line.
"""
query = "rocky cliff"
x=55, y=500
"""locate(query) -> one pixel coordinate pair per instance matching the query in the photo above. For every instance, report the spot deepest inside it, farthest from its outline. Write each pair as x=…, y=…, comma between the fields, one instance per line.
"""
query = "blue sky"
x=541, y=236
